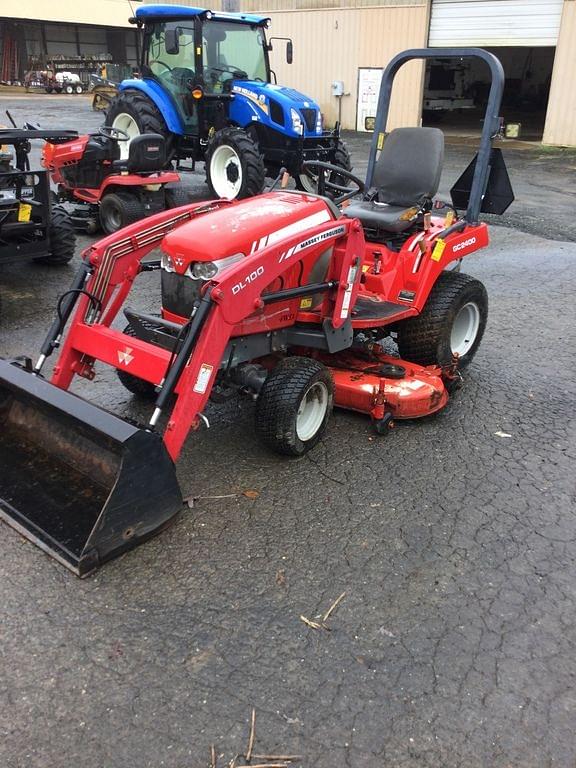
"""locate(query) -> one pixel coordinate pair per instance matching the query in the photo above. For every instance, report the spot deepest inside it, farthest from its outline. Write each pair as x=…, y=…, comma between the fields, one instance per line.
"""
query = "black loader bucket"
x=76, y=480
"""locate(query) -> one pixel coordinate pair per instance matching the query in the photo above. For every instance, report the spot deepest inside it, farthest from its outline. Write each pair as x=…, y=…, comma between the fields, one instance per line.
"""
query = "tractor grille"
x=179, y=293
x=309, y=116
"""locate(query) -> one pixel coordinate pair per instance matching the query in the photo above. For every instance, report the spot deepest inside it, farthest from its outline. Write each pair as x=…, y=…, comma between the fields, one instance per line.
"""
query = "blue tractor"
x=207, y=88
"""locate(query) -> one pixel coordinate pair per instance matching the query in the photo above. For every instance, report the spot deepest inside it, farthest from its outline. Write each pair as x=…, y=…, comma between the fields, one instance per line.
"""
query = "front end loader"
x=286, y=297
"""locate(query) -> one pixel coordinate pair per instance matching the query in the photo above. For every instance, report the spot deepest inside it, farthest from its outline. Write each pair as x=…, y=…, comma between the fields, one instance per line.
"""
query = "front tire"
x=142, y=389
x=294, y=406
x=119, y=209
x=308, y=181
x=134, y=113
x=234, y=165
x=452, y=321
x=62, y=238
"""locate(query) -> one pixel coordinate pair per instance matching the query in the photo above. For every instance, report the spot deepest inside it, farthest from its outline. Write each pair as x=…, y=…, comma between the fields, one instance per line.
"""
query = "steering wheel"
x=162, y=64
x=110, y=132
x=329, y=181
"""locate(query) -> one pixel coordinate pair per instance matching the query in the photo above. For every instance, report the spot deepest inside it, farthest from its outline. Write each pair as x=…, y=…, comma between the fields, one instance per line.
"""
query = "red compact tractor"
x=286, y=297
x=110, y=191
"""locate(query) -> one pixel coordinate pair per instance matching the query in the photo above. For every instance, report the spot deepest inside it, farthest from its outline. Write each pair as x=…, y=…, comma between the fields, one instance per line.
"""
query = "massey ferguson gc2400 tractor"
x=207, y=87
x=286, y=297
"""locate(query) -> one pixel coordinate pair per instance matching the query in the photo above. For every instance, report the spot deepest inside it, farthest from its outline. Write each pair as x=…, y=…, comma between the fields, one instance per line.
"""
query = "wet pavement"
x=454, y=539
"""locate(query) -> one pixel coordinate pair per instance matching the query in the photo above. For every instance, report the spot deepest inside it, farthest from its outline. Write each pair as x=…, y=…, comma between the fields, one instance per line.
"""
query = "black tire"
x=307, y=182
x=145, y=113
x=176, y=196
x=142, y=389
x=62, y=238
x=426, y=339
x=280, y=398
x=118, y=209
x=248, y=159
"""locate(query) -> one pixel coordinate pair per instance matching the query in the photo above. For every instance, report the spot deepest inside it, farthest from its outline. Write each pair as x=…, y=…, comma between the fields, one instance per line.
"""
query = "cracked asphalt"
x=454, y=539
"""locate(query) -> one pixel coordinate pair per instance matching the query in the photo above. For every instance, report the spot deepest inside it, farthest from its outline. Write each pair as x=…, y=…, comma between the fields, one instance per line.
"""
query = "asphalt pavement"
x=454, y=539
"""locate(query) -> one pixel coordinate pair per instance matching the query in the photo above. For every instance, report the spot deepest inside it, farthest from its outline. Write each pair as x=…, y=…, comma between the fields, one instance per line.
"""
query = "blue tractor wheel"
x=234, y=165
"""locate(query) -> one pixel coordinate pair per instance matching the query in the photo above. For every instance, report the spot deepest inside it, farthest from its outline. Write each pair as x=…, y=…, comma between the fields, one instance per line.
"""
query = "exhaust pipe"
x=79, y=482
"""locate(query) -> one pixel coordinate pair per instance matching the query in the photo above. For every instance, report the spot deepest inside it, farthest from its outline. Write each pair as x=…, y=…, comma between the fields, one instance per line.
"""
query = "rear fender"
x=161, y=99
x=135, y=180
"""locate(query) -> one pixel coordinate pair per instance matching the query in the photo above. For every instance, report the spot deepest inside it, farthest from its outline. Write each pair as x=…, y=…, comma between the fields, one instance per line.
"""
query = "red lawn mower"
x=286, y=297
x=109, y=191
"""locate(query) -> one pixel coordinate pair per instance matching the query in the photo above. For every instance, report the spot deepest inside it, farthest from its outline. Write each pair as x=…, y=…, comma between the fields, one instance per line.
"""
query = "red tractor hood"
x=244, y=227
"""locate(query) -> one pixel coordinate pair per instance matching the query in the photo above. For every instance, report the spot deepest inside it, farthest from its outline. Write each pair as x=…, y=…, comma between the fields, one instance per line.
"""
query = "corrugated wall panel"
x=560, y=125
x=332, y=44
x=495, y=22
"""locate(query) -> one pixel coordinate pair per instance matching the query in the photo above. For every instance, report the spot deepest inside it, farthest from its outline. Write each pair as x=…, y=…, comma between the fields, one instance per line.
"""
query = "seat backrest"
x=147, y=153
x=409, y=167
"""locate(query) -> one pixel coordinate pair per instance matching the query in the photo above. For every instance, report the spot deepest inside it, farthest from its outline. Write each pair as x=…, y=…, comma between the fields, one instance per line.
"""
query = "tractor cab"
x=208, y=88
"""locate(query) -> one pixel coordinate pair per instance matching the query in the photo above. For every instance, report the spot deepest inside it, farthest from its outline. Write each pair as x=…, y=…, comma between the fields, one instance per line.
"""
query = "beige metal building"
x=350, y=41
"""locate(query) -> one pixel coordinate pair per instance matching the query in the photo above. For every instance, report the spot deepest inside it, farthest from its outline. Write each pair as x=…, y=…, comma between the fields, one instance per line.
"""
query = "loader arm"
x=233, y=296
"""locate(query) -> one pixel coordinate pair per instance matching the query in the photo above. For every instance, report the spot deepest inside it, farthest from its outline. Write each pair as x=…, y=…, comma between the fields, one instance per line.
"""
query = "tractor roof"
x=174, y=12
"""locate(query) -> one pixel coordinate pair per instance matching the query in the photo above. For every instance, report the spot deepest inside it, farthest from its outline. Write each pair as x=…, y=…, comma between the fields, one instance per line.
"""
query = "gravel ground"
x=454, y=539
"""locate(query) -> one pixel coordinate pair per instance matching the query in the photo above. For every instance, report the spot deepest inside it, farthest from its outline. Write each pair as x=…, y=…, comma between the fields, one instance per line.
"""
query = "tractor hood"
x=242, y=228
x=277, y=106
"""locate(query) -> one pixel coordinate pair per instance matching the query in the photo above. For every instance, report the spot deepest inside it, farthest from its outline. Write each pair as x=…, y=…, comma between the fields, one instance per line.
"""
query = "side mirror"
x=172, y=42
x=289, y=52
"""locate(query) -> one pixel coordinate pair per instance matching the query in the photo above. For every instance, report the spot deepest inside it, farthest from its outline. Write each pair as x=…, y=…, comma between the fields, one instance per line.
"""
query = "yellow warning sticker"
x=306, y=303
x=438, y=250
x=365, y=267
x=24, y=211
x=381, y=138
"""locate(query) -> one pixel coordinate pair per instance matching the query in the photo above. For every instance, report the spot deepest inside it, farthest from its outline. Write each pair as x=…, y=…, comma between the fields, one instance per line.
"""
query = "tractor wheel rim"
x=312, y=411
x=126, y=123
x=226, y=172
x=465, y=329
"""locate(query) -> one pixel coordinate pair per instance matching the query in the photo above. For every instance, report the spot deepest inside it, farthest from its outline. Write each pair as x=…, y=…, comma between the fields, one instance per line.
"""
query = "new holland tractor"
x=207, y=87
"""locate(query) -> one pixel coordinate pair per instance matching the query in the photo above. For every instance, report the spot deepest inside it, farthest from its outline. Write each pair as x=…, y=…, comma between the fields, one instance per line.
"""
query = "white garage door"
x=490, y=23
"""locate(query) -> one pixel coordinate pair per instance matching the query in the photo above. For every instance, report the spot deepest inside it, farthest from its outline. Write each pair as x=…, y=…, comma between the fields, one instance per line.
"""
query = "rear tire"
x=119, y=209
x=62, y=238
x=453, y=320
x=134, y=113
x=294, y=406
x=234, y=165
x=176, y=196
x=142, y=389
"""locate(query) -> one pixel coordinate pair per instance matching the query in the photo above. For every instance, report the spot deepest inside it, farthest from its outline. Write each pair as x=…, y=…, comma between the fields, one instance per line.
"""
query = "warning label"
x=203, y=378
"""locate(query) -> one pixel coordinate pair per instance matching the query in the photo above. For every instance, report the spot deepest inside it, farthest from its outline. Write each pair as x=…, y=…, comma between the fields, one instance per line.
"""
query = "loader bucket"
x=78, y=481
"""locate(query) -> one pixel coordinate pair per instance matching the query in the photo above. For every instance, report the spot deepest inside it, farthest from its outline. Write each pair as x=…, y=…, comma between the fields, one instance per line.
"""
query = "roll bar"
x=491, y=118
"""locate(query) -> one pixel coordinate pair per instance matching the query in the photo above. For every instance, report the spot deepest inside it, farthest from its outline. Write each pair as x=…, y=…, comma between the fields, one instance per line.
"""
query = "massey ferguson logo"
x=124, y=356
x=463, y=244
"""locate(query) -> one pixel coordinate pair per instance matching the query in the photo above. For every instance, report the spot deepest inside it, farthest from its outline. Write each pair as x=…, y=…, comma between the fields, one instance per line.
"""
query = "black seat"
x=146, y=154
x=405, y=179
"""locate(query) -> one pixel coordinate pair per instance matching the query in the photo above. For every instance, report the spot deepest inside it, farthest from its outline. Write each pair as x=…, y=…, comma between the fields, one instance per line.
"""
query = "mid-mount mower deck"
x=286, y=297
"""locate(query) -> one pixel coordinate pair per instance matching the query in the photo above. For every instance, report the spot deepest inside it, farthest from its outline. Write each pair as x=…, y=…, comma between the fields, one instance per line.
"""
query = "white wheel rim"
x=465, y=329
x=312, y=411
x=226, y=172
x=126, y=123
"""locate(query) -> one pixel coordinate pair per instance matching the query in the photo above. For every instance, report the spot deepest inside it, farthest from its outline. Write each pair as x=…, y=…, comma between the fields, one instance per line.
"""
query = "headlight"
x=167, y=264
x=297, y=124
x=204, y=270
x=319, y=122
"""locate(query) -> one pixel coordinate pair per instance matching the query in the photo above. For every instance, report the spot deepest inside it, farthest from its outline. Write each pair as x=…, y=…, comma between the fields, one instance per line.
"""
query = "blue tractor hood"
x=276, y=106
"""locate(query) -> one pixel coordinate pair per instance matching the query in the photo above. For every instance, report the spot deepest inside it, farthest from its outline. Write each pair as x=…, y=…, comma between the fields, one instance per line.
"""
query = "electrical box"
x=338, y=88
